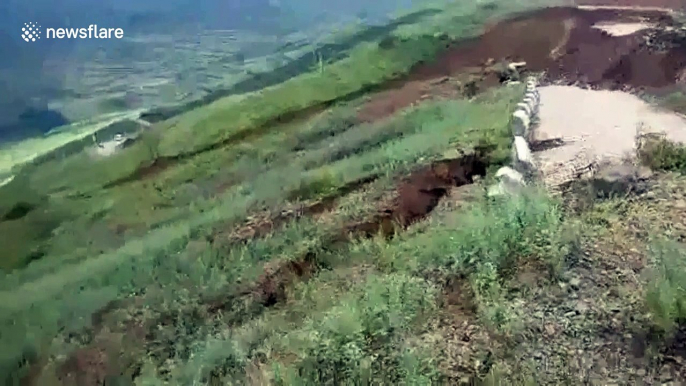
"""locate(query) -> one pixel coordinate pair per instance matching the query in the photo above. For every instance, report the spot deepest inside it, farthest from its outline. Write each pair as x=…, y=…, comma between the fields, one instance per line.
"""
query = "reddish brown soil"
x=399, y=94
x=260, y=225
x=559, y=41
x=417, y=196
x=458, y=295
x=273, y=284
x=86, y=367
x=112, y=351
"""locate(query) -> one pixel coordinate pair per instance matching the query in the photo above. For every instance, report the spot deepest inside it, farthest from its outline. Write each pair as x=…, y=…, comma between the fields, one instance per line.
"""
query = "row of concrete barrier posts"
x=523, y=167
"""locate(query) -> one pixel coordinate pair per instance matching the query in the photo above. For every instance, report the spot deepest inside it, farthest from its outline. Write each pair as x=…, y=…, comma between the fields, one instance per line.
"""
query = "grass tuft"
x=662, y=154
x=666, y=289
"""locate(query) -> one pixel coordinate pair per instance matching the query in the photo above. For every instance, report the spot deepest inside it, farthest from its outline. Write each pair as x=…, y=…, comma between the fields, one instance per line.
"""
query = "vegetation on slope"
x=75, y=183
x=257, y=260
x=62, y=290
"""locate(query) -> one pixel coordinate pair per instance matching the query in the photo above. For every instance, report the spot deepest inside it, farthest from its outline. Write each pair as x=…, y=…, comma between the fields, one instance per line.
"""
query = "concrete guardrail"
x=523, y=169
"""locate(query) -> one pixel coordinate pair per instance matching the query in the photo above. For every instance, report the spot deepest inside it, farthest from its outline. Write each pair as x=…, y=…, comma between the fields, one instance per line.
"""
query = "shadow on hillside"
x=32, y=122
x=331, y=52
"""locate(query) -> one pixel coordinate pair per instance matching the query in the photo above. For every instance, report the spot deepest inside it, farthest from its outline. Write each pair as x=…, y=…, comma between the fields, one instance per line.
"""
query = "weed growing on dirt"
x=495, y=233
x=662, y=154
x=499, y=237
x=666, y=291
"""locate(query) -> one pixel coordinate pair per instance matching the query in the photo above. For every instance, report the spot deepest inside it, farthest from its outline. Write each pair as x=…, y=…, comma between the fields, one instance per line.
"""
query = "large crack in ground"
x=417, y=196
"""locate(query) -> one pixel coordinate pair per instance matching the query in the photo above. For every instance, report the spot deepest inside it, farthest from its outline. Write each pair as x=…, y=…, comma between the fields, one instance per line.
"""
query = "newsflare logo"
x=31, y=32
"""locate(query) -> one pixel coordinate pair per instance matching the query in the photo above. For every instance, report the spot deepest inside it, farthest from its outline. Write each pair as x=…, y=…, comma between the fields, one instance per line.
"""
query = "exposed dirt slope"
x=563, y=42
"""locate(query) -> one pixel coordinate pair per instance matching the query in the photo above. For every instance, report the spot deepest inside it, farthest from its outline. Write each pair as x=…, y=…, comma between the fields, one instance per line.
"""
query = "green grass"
x=64, y=288
x=355, y=325
x=343, y=344
x=675, y=101
x=456, y=127
x=92, y=238
x=264, y=177
x=365, y=66
x=665, y=297
x=485, y=244
x=78, y=180
x=661, y=154
x=62, y=291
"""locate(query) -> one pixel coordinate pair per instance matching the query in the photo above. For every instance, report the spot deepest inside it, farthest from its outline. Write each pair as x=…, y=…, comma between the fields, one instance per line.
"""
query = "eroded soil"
x=561, y=42
x=104, y=358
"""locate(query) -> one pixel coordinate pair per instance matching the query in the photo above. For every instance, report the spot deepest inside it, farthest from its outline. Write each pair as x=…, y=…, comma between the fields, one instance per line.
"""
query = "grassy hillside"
x=274, y=238
x=264, y=173
x=202, y=142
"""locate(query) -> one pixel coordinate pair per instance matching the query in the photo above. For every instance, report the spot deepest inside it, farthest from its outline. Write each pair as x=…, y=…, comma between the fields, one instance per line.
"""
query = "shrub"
x=666, y=292
x=658, y=153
